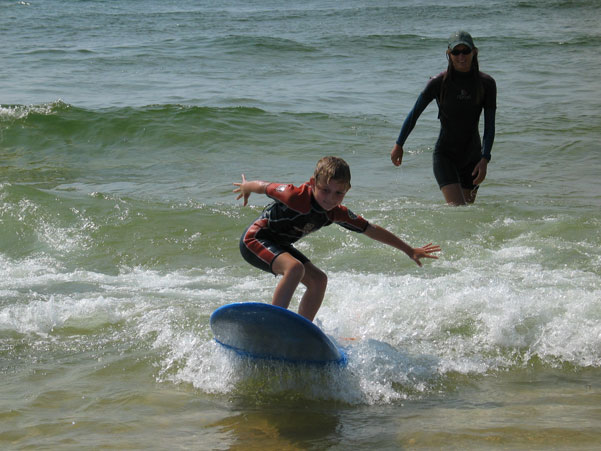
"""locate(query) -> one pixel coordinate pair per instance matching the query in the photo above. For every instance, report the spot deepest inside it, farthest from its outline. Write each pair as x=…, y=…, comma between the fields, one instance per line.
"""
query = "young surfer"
x=297, y=211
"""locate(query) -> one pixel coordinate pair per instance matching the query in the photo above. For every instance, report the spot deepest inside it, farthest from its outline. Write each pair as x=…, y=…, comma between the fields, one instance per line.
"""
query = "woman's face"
x=461, y=57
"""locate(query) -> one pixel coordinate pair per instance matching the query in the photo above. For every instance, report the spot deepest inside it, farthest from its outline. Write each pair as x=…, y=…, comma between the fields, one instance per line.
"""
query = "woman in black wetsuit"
x=461, y=92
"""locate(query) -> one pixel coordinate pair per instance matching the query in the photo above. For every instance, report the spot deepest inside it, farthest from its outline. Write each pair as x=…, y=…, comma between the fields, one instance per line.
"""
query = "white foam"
x=42, y=316
x=22, y=111
x=403, y=332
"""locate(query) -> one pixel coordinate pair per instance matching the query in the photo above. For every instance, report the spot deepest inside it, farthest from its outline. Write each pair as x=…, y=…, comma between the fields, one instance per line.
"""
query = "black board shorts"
x=265, y=251
x=448, y=171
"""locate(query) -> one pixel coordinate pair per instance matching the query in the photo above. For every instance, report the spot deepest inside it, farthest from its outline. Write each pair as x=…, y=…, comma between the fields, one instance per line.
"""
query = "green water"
x=123, y=126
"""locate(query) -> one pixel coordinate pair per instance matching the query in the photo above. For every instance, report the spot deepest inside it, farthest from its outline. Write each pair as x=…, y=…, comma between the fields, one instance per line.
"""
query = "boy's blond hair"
x=333, y=168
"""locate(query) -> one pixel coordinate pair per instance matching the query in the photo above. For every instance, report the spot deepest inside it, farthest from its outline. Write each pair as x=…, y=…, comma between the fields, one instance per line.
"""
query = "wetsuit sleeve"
x=277, y=191
x=347, y=219
x=489, y=132
x=411, y=119
x=427, y=95
x=296, y=198
x=490, y=106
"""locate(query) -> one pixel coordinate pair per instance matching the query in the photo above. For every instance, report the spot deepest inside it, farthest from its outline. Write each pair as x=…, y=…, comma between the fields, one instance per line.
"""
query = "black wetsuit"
x=458, y=148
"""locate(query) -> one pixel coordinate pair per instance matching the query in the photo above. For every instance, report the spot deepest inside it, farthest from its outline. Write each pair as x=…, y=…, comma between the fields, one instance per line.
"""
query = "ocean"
x=123, y=126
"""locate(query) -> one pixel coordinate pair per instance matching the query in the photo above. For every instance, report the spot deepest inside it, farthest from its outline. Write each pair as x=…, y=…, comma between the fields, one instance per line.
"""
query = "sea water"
x=122, y=128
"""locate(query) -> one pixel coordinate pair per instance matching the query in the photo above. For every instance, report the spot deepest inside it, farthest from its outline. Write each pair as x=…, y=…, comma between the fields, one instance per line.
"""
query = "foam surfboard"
x=265, y=331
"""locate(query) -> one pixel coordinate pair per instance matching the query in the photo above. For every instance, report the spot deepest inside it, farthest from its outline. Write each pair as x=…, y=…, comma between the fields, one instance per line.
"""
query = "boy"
x=296, y=212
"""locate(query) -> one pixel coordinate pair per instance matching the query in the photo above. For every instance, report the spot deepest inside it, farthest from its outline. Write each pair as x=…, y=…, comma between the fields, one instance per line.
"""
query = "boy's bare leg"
x=292, y=272
x=316, y=282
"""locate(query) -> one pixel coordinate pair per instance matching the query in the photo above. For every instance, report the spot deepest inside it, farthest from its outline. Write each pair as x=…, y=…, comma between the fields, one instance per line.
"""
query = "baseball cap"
x=461, y=37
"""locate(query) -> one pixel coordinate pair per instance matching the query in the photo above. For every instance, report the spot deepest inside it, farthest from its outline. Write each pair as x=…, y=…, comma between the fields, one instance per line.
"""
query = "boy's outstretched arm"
x=382, y=235
x=247, y=187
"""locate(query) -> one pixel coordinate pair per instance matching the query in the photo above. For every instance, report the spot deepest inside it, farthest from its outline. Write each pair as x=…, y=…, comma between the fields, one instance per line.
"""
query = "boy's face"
x=328, y=195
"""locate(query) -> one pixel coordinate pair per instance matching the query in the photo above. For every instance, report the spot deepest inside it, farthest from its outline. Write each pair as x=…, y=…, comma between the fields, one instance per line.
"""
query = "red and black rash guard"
x=294, y=214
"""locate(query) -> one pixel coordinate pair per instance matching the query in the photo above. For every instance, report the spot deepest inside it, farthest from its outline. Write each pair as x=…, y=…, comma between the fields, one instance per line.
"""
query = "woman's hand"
x=396, y=155
x=480, y=171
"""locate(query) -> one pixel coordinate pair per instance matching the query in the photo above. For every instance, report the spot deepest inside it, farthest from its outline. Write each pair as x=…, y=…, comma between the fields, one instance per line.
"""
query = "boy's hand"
x=247, y=187
x=424, y=252
x=242, y=190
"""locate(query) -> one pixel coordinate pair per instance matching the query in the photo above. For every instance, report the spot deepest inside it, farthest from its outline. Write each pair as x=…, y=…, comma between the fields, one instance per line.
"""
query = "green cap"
x=461, y=37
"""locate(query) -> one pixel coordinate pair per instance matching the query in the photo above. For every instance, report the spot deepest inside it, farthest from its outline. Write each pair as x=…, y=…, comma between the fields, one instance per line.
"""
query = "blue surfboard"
x=265, y=331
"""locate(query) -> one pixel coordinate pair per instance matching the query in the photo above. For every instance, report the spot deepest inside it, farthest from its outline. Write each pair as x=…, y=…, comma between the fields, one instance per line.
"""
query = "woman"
x=461, y=92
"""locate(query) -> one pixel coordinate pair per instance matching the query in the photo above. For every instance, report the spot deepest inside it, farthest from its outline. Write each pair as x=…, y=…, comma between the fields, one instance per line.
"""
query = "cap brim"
x=454, y=44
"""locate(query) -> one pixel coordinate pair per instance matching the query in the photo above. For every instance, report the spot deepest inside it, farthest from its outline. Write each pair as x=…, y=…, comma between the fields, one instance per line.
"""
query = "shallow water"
x=121, y=132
